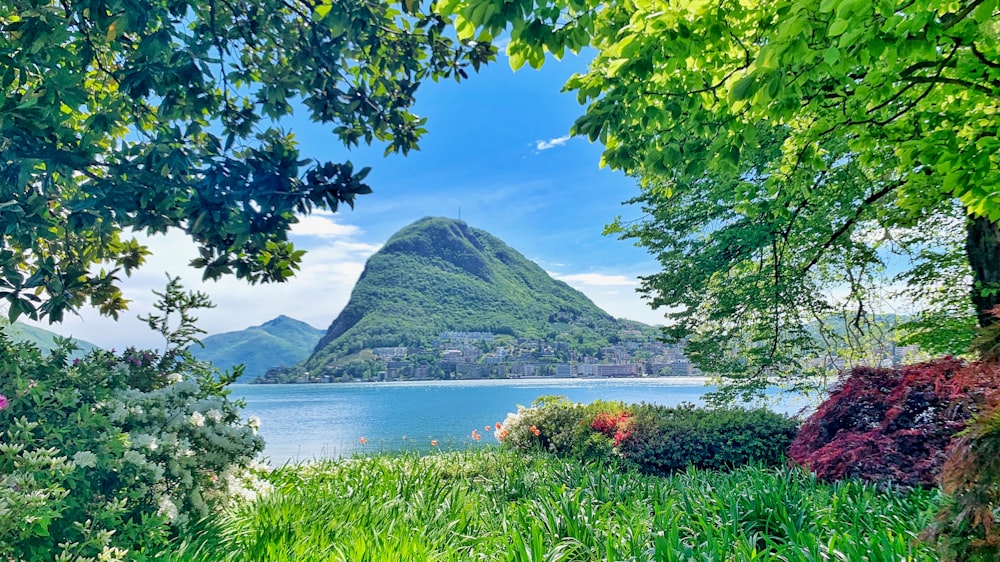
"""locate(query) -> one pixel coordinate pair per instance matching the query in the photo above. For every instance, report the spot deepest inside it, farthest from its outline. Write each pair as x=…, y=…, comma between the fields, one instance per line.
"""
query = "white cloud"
x=551, y=143
x=597, y=280
x=615, y=294
x=323, y=226
x=317, y=293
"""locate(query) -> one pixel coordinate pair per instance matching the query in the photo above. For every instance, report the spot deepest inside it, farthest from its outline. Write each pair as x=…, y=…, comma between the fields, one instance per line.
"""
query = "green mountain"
x=43, y=339
x=280, y=342
x=440, y=275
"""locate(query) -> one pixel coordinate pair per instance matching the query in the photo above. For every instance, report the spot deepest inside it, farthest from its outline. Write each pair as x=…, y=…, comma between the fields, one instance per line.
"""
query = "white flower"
x=167, y=508
x=174, y=378
x=197, y=419
x=254, y=423
x=214, y=415
x=134, y=457
x=85, y=459
x=144, y=440
x=112, y=554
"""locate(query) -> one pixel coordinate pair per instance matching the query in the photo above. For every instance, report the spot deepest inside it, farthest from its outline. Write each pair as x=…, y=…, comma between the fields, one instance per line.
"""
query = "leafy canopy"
x=784, y=148
x=146, y=115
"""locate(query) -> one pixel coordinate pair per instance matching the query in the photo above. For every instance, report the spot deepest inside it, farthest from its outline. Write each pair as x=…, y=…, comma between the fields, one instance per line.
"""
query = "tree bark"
x=982, y=244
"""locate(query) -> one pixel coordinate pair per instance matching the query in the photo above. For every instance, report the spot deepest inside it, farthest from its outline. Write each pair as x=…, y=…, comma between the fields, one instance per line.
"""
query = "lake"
x=302, y=422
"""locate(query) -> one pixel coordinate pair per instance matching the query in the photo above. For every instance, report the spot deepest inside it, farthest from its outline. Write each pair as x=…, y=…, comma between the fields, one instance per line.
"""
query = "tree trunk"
x=983, y=248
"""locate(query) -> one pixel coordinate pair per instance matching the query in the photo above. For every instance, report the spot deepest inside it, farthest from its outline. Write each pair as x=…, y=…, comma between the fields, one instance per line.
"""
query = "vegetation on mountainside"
x=44, y=340
x=440, y=275
x=282, y=341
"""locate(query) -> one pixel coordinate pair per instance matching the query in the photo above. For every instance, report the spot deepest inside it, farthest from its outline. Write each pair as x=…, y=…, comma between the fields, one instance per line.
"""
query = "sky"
x=497, y=155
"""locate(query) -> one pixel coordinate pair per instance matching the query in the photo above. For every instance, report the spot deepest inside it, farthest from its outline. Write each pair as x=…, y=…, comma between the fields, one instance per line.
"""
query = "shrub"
x=109, y=456
x=556, y=425
x=655, y=439
x=966, y=526
x=891, y=425
x=663, y=440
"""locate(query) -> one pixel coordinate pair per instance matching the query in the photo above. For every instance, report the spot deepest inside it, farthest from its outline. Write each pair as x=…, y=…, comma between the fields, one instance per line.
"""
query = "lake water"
x=302, y=422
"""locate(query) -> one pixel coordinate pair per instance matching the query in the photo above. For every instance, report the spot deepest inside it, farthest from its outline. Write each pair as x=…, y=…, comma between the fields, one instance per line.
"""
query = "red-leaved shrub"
x=892, y=424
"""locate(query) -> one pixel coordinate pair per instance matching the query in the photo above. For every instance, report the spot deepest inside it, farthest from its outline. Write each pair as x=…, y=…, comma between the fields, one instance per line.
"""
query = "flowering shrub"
x=655, y=439
x=108, y=457
x=556, y=425
x=891, y=425
x=615, y=425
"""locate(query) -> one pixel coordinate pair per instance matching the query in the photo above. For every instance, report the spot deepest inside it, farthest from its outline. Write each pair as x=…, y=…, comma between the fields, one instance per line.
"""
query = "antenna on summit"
x=460, y=213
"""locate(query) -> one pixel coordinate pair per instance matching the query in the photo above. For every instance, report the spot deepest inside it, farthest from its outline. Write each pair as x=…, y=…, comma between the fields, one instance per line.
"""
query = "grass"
x=495, y=504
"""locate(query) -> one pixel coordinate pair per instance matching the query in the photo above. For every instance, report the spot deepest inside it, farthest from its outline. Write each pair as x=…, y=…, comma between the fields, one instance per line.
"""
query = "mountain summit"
x=438, y=275
x=281, y=341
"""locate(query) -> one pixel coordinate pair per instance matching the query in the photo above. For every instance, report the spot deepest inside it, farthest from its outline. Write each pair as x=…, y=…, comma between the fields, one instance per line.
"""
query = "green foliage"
x=148, y=116
x=439, y=275
x=502, y=505
x=785, y=148
x=282, y=341
x=554, y=424
x=652, y=438
x=663, y=440
x=109, y=456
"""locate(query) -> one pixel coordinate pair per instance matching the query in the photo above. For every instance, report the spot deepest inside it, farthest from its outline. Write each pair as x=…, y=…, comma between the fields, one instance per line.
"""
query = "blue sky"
x=497, y=151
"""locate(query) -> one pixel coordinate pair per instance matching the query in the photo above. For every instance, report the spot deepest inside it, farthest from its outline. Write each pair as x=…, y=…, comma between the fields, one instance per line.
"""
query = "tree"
x=785, y=148
x=147, y=115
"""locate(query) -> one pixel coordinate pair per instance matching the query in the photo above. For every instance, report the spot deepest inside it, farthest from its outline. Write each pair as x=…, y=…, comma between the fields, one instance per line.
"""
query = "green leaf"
x=831, y=55
x=838, y=27
x=744, y=88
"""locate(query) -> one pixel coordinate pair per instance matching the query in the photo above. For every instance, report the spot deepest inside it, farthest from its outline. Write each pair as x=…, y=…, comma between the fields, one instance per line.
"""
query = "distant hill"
x=280, y=342
x=43, y=339
x=439, y=275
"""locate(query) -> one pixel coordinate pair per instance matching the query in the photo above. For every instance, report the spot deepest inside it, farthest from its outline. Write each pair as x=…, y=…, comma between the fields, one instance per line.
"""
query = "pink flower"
x=4, y=402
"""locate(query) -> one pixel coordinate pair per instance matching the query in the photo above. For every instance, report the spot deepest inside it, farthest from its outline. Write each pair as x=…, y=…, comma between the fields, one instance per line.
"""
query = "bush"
x=556, y=425
x=663, y=440
x=655, y=439
x=110, y=456
x=891, y=425
x=966, y=526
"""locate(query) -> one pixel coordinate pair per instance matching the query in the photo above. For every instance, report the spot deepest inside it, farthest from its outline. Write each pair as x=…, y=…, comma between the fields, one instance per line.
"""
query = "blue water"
x=311, y=421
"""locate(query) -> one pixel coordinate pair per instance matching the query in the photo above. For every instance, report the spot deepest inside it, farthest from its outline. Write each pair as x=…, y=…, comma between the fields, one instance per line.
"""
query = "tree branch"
x=869, y=201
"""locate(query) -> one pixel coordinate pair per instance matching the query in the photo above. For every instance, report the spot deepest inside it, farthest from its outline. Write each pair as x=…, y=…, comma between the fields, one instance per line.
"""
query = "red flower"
x=535, y=430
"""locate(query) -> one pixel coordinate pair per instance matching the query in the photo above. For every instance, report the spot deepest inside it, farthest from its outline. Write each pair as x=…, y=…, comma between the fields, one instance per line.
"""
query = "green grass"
x=500, y=505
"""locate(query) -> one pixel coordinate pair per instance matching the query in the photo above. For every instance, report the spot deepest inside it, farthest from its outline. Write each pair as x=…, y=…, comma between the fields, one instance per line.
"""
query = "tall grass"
x=500, y=505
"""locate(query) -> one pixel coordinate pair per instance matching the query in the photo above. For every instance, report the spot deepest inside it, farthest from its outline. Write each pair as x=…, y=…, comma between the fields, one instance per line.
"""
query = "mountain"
x=280, y=342
x=439, y=275
x=43, y=339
